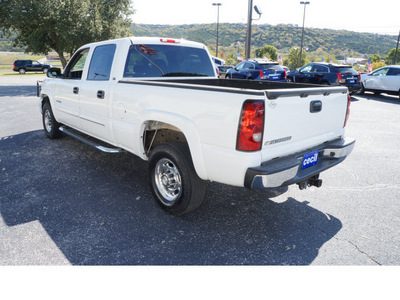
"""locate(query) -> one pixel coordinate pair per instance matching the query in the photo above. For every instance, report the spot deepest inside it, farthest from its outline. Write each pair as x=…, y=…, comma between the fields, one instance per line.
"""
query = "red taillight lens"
x=339, y=76
x=359, y=77
x=347, y=110
x=261, y=74
x=251, y=126
x=285, y=74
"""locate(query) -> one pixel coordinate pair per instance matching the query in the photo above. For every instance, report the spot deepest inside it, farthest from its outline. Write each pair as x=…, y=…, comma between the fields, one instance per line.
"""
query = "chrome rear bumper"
x=288, y=170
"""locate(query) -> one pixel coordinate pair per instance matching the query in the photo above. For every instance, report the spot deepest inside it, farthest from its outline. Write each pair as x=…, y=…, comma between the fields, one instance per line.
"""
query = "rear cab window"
x=167, y=61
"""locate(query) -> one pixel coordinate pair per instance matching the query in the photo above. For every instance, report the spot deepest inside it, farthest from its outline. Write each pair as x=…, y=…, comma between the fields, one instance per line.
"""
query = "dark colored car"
x=257, y=70
x=26, y=65
x=327, y=74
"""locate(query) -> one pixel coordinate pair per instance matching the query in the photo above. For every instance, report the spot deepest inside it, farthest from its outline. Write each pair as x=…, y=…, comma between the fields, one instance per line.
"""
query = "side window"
x=240, y=66
x=306, y=69
x=320, y=69
x=35, y=63
x=394, y=72
x=100, y=65
x=252, y=66
x=381, y=72
x=75, y=67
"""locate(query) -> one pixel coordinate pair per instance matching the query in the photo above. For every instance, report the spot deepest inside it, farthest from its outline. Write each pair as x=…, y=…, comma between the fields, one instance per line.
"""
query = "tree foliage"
x=268, y=51
x=390, y=57
x=293, y=58
x=63, y=25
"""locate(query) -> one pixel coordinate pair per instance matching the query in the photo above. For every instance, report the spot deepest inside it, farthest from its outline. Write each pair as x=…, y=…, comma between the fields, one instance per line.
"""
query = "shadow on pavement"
x=98, y=210
x=18, y=91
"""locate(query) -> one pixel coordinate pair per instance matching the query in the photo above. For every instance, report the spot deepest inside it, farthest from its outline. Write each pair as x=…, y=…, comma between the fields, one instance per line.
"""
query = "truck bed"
x=272, y=90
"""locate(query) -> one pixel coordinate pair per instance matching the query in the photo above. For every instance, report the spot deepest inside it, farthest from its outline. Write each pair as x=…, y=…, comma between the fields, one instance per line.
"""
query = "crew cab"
x=161, y=100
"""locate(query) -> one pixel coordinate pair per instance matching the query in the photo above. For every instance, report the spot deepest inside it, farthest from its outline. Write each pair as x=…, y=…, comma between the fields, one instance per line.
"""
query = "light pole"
x=248, y=34
x=302, y=32
x=397, y=48
x=217, y=5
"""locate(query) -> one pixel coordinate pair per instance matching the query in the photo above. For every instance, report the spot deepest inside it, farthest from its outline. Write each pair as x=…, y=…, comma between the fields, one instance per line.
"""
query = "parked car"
x=257, y=70
x=327, y=74
x=26, y=65
x=222, y=70
x=383, y=80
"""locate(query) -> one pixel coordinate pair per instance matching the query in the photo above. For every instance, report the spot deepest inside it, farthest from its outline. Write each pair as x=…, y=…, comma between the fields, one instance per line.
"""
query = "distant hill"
x=283, y=37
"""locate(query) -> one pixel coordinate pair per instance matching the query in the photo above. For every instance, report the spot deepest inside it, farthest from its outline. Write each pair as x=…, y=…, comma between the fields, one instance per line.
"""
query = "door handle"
x=76, y=90
x=315, y=106
x=100, y=94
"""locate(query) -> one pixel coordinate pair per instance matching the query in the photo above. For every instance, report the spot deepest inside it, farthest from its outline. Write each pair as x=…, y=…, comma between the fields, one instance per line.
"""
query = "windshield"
x=167, y=60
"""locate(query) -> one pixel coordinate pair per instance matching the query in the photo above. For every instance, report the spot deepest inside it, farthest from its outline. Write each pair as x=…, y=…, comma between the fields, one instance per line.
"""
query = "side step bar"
x=91, y=142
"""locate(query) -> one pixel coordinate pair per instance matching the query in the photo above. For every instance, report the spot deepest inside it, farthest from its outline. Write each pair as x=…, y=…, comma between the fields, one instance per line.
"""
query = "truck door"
x=68, y=88
x=95, y=92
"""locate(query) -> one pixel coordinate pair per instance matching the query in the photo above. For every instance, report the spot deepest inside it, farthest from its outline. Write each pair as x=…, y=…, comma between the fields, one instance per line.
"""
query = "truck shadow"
x=98, y=210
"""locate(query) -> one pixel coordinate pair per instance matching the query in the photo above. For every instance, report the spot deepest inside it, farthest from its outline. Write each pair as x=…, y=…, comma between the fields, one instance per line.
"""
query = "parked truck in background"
x=161, y=100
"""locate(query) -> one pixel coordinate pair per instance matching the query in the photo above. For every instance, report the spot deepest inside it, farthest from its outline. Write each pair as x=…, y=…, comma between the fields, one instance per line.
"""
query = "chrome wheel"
x=168, y=181
x=47, y=120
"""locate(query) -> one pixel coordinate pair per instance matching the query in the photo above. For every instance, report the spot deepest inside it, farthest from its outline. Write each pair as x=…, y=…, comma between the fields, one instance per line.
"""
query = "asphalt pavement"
x=64, y=203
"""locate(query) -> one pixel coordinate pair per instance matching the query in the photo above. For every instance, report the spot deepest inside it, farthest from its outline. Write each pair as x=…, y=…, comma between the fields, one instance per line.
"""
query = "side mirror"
x=53, y=72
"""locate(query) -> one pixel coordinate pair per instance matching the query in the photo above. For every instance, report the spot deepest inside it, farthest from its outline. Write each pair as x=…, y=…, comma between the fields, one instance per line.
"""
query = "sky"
x=354, y=15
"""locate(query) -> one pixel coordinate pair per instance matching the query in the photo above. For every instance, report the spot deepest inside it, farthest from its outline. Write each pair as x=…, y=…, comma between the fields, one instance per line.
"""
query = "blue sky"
x=362, y=16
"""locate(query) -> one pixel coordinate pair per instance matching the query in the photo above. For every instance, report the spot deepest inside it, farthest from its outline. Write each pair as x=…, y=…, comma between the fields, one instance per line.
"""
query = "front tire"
x=173, y=180
x=50, y=125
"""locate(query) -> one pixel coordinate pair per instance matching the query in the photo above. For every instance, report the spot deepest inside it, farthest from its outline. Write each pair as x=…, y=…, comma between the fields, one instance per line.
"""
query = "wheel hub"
x=168, y=181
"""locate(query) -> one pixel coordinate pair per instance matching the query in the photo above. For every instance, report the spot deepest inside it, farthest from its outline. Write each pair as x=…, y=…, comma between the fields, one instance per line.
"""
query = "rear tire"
x=50, y=125
x=22, y=71
x=173, y=180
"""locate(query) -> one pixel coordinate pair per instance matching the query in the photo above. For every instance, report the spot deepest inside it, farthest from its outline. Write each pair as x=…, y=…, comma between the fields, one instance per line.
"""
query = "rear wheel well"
x=157, y=133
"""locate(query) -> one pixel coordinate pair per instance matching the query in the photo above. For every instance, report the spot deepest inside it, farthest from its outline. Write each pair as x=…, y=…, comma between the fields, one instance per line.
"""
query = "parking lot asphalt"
x=64, y=203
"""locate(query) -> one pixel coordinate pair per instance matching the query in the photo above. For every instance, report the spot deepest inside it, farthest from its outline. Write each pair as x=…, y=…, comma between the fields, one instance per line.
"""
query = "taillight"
x=285, y=74
x=359, y=77
x=347, y=110
x=339, y=76
x=261, y=74
x=251, y=126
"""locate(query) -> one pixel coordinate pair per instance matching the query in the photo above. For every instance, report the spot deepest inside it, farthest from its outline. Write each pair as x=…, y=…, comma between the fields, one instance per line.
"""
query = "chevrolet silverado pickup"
x=161, y=100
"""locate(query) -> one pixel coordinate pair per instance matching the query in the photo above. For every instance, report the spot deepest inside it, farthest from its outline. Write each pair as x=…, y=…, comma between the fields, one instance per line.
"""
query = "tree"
x=375, y=58
x=390, y=57
x=269, y=51
x=63, y=25
x=293, y=58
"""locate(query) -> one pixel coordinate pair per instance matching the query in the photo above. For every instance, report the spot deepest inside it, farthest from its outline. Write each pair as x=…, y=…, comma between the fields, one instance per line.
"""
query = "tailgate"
x=299, y=119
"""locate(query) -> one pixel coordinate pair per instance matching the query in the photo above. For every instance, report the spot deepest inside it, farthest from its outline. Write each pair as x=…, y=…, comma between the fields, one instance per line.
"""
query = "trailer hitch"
x=312, y=181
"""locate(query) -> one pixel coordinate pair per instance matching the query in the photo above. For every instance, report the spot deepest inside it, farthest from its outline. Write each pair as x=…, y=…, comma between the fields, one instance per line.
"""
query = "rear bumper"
x=353, y=87
x=288, y=170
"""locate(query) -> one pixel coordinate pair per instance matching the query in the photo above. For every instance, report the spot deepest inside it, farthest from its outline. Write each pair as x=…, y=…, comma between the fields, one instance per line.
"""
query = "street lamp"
x=302, y=32
x=249, y=19
x=217, y=5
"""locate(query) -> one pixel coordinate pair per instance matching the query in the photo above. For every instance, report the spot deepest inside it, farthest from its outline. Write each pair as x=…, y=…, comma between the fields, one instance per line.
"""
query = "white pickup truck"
x=161, y=100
